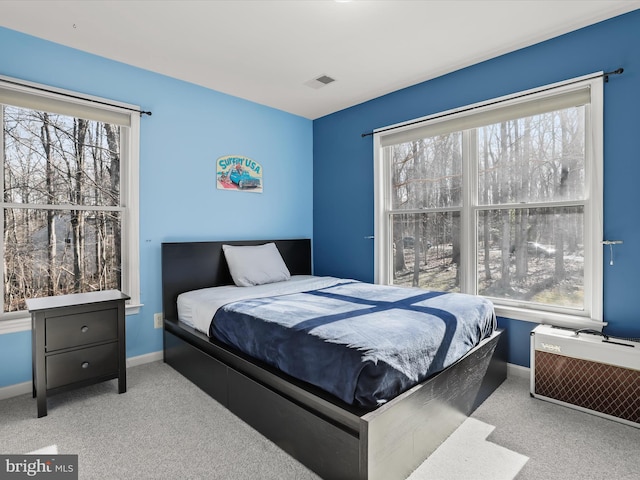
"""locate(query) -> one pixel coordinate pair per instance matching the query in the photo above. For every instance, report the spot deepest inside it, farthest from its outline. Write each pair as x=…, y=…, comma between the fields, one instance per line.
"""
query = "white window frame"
x=67, y=102
x=591, y=316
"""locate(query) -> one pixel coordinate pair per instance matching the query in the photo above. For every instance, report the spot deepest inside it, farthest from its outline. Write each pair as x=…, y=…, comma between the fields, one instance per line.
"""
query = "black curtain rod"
x=604, y=74
x=77, y=97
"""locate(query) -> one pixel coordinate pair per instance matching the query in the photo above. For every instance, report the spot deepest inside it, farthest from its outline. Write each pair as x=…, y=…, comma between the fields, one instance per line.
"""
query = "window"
x=501, y=199
x=69, y=205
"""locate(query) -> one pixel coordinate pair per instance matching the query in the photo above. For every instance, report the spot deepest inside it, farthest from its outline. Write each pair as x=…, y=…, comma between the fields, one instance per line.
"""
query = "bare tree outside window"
x=535, y=160
x=527, y=213
x=61, y=205
x=427, y=175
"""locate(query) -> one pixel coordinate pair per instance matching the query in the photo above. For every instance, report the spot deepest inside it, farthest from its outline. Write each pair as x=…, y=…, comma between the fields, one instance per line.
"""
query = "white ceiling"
x=267, y=51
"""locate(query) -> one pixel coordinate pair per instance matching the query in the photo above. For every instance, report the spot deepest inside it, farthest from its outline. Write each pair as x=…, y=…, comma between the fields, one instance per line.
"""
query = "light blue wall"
x=343, y=160
x=190, y=128
x=15, y=358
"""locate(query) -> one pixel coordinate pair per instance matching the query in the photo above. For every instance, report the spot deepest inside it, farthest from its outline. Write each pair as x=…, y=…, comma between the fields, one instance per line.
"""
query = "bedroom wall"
x=190, y=128
x=343, y=160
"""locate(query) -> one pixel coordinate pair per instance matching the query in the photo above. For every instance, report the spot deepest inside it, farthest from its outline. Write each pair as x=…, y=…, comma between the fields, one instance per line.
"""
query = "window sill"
x=549, y=318
x=23, y=324
x=133, y=309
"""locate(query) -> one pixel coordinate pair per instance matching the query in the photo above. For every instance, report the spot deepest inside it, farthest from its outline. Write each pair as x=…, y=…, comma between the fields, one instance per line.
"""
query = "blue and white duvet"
x=363, y=343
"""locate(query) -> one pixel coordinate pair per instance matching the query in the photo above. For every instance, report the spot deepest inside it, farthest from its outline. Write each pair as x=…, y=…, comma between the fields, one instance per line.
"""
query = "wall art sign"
x=235, y=172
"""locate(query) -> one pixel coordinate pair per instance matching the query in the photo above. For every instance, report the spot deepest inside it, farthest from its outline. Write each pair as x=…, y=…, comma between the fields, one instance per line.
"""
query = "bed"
x=330, y=435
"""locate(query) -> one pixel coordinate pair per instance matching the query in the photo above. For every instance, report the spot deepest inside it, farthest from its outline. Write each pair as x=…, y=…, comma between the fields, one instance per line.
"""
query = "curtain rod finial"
x=617, y=71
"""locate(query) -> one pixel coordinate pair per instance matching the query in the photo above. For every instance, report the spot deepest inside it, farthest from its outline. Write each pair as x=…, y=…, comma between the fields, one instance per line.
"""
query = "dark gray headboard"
x=193, y=265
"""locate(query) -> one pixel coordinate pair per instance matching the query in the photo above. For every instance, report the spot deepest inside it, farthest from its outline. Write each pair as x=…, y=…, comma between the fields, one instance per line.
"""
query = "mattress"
x=363, y=343
x=197, y=307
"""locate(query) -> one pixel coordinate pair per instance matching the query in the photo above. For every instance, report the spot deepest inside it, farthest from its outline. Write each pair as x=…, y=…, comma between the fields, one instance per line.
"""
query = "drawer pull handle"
x=85, y=364
x=84, y=329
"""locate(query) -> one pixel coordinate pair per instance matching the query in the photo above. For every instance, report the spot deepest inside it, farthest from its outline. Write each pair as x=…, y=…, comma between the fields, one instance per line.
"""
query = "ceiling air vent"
x=325, y=79
x=320, y=81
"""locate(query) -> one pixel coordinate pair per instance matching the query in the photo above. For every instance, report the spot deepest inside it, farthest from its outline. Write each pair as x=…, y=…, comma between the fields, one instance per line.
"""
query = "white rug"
x=467, y=455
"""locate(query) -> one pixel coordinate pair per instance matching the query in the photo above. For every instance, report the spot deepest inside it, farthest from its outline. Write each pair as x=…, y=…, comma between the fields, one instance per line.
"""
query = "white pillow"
x=255, y=265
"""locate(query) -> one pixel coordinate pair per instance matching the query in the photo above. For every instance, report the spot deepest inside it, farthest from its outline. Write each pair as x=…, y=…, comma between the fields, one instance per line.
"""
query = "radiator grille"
x=603, y=388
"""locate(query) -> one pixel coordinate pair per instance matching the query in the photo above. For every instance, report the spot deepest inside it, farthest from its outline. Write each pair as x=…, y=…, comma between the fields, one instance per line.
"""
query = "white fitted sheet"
x=197, y=307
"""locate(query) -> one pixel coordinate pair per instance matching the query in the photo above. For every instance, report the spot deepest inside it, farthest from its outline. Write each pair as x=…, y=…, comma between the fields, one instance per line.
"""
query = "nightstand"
x=77, y=340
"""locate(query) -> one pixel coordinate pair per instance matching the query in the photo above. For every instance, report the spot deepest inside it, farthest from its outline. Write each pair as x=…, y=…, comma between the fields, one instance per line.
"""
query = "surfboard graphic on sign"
x=236, y=172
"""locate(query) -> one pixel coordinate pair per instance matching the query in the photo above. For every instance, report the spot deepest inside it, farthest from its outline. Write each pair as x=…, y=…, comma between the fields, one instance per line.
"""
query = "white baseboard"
x=519, y=371
x=146, y=358
x=15, y=390
x=22, y=388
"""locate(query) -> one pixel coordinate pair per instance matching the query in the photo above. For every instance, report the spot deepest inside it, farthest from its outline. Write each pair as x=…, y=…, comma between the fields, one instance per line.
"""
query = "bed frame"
x=330, y=437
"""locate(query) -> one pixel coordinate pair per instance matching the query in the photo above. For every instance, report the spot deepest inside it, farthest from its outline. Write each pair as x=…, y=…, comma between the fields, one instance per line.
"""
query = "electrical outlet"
x=157, y=320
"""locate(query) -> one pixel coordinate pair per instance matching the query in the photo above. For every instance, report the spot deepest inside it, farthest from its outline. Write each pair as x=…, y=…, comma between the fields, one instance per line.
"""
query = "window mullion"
x=64, y=207
x=531, y=205
x=382, y=221
x=468, y=237
x=409, y=211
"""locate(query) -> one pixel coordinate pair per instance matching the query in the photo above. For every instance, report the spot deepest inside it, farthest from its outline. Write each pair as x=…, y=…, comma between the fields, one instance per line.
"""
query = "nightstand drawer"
x=79, y=365
x=81, y=329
